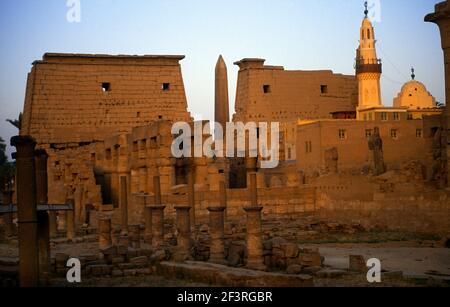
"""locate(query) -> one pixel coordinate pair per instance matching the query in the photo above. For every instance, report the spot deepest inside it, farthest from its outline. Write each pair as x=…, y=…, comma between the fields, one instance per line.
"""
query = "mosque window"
x=308, y=147
x=394, y=134
x=166, y=86
x=324, y=89
x=342, y=134
x=419, y=133
x=267, y=89
x=106, y=87
x=396, y=116
x=384, y=116
x=368, y=33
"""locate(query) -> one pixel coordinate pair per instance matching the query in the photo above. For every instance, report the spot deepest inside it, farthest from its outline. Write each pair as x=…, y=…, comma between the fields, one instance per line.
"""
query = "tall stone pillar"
x=255, y=258
x=191, y=196
x=43, y=217
x=184, y=233
x=44, y=247
x=8, y=217
x=42, y=188
x=254, y=232
x=70, y=221
x=216, y=231
x=27, y=211
x=104, y=231
x=157, y=225
x=124, y=204
x=222, y=112
x=441, y=17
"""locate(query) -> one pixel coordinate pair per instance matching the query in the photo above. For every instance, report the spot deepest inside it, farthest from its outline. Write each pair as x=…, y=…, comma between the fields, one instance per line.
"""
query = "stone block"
x=357, y=263
x=294, y=269
x=290, y=250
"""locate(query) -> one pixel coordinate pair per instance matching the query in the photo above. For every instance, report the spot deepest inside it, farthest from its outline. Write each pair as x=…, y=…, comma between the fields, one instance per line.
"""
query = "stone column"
x=184, y=233
x=70, y=221
x=148, y=221
x=53, y=224
x=223, y=198
x=441, y=17
x=27, y=212
x=216, y=231
x=8, y=217
x=41, y=177
x=135, y=236
x=124, y=204
x=191, y=196
x=43, y=218
x=44, y=247
x=157, y=215
x=253, y=190
x=255, y=258
x=157, y=190
x=104, y=231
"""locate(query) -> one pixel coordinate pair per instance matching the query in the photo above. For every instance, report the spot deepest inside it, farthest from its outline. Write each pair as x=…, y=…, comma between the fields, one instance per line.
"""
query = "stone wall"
x=352, y=146
x=73, y=98
x=268, y=93
x=420, y=214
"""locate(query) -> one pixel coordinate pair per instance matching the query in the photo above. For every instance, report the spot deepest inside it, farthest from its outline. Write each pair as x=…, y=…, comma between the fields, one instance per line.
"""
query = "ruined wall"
x=83, y=98
x=353, y=150
x=268, y=93
x=420, y=214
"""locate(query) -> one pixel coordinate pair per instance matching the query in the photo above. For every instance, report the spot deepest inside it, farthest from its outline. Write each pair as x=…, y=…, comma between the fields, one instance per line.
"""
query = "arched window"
x=368, y=33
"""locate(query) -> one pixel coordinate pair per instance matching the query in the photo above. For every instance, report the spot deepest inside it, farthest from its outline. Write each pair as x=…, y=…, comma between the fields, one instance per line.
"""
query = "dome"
x=414, y=95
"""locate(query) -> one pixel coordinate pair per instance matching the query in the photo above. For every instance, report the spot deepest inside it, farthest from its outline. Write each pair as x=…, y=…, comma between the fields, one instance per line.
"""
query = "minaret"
x=368, y=67
x=222, y=112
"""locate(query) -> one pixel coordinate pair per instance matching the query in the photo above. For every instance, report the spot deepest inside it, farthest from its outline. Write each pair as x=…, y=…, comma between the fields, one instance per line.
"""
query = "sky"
x=296, y=34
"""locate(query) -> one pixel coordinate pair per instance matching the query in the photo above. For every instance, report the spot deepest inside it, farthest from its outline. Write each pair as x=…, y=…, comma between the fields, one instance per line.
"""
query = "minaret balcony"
x=368, y=66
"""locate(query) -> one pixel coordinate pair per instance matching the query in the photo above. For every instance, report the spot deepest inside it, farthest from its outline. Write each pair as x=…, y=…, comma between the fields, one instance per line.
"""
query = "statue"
x=376, y=146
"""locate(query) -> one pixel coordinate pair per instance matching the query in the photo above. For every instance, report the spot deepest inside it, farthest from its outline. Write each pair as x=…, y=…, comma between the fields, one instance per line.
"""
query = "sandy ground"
x=412, y=261
x=418, y=261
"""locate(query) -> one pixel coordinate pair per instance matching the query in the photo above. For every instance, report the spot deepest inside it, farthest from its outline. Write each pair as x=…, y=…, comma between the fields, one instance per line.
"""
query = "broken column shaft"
x=216, y=231
x=27, y=211
x=43, y=217
x=254, y=242
x=184, y=232
x=104, y=229
x=124, y=203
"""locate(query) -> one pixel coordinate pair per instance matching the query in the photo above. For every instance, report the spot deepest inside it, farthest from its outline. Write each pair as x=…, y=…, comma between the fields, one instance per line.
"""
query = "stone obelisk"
x=222, y=112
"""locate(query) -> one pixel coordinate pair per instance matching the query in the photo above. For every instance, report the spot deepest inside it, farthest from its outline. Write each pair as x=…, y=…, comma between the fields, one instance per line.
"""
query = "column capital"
x=253, y=208
x=216, y=208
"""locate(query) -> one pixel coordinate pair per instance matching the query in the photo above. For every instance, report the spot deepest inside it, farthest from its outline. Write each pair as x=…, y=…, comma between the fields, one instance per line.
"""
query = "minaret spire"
x=368, y=66
x=413, y=75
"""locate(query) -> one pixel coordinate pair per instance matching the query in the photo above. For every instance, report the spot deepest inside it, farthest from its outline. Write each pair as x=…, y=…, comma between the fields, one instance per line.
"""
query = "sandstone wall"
x=84, y=98
x=268, y=93
x=421, y=214
x=353, y=150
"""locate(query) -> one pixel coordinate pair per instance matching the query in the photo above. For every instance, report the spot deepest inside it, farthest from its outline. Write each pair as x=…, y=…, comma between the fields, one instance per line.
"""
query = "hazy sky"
x=297, y=34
